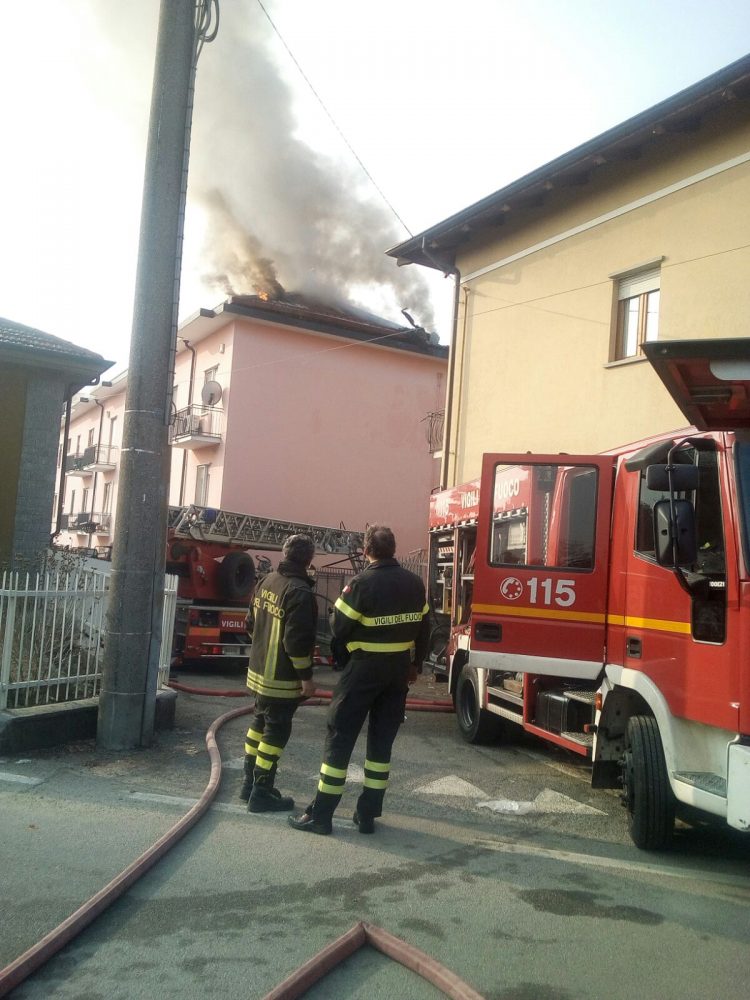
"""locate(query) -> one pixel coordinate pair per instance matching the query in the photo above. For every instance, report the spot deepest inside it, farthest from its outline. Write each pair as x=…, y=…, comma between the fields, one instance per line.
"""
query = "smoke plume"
x=279, y=215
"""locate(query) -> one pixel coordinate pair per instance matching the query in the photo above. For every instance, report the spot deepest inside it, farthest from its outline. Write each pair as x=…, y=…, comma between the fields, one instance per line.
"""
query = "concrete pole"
x=128, y=695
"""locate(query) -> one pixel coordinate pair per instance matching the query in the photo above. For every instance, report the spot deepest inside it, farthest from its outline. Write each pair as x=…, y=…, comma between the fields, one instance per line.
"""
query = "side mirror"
x=676, y=541
x=684, y=477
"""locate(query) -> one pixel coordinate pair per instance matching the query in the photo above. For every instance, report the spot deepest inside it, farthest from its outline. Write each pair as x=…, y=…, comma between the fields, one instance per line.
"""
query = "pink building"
x=284, y=409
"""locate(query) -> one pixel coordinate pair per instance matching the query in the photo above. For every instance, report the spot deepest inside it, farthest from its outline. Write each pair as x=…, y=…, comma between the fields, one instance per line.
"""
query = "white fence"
x=52, y=629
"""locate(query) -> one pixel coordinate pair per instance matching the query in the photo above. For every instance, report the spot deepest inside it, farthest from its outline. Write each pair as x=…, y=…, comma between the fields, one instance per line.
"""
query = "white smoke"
x=279, y=215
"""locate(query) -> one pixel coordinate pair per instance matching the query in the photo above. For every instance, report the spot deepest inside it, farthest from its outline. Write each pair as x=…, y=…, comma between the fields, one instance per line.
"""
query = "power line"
x=332, y=119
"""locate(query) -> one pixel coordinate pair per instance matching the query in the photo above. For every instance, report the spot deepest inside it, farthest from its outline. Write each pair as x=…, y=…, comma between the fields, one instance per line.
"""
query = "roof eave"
x=436, y=247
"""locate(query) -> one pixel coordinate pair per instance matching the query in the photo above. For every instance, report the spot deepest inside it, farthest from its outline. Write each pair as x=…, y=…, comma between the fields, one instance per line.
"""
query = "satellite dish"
x=211, y=393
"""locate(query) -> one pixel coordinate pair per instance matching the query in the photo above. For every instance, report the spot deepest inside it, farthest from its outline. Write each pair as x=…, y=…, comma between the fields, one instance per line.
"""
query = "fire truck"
x=602, y=602
x=207, y=549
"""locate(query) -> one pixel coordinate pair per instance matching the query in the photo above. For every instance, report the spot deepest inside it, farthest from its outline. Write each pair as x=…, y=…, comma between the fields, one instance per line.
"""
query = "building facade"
x=286, y=410
x=639, y=234
x=39, y=373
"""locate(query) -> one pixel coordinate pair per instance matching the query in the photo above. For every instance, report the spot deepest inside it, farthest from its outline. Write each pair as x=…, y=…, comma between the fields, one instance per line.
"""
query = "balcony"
x=79, y=464
x=102, y=523
x=102, y=458
x=196, y=427
x=96, y=458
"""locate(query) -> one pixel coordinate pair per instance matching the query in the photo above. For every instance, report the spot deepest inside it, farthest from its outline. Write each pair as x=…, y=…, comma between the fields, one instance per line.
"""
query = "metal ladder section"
x=211, y=524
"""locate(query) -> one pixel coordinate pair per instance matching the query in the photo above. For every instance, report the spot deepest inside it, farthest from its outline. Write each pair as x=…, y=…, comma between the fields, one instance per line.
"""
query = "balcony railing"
x=102, y=457
x=196, y=427
x=79, y=464
x=434, y=427
x=95, y=458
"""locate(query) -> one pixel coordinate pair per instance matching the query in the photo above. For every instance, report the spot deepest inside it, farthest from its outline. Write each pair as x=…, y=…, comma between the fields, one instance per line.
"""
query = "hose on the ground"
x=36, y=956
x=413, y=704
x=40, y=953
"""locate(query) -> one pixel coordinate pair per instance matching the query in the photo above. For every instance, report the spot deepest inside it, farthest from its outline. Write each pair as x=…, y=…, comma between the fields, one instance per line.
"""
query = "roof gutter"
x=455, y=273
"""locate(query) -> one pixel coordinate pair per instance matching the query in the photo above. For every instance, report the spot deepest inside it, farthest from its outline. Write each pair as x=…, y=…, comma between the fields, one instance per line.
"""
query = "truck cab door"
x=541, y=572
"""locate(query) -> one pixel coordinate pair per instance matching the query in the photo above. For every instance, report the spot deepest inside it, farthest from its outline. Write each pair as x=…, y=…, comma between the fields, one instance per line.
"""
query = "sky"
x=324, y=132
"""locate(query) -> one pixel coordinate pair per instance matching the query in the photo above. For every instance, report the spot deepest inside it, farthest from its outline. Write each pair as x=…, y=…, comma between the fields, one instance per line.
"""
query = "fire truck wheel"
x=646, y=791
x=476, y=724
x=236, y=575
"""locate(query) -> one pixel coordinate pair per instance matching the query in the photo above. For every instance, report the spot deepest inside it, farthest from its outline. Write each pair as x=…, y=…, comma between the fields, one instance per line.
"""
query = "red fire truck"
x=207, y=549
x=602, y=602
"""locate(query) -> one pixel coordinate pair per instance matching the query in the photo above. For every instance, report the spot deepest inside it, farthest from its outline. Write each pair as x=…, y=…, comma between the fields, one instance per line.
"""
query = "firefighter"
x=283, y=619
x=382, y=617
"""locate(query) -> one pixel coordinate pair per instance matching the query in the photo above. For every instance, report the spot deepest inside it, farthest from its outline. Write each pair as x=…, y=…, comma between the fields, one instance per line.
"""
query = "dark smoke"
x=282, y=216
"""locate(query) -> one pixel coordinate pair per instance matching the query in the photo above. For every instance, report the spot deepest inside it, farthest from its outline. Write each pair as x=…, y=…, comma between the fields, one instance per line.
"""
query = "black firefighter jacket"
x=383, y=611
x=283, y=619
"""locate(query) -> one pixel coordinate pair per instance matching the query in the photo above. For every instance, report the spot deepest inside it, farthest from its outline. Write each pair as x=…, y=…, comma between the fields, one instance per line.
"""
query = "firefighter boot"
x=247, y=784
x=265, y=798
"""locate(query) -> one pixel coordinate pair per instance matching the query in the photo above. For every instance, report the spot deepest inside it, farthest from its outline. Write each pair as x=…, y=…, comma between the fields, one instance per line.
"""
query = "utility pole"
x=128, y=695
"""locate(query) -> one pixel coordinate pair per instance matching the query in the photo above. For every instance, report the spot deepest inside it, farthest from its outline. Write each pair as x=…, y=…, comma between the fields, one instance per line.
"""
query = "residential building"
x=38, y=375
x=284, y=409
x=638, y=234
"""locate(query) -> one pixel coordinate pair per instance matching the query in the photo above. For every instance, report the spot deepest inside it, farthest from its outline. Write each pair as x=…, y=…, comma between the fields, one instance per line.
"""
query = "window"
x=85, y=500
x=544, y=515
x=78, y=445
x=201, y=485
x=90, y=441
x=637, y=312
x=210, y=374
x=107, y=501
x=72, y=501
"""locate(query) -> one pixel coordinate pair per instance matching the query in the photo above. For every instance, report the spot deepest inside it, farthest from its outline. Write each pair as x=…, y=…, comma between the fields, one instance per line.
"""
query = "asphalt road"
x=500, y=861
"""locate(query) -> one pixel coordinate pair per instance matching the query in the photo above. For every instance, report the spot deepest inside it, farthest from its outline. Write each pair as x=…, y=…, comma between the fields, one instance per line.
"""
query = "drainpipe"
x=456, y=274
x=70, y=391
x=183, y=474
x=96, y=474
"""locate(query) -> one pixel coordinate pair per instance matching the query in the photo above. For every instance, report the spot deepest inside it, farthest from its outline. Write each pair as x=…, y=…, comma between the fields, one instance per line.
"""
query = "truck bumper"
x=738, y=786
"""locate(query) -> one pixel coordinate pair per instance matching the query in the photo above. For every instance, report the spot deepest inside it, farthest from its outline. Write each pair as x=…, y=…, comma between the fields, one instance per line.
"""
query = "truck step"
x=587, y=697
x=582, y=739
x=707, y=781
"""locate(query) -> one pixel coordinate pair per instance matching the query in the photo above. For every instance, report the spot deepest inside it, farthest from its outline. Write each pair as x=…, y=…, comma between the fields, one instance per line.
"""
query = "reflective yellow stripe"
x=372, y=765
x=380, y=647
x=345, y=609
x=250, y=749
x=301, y=662
x=275, y=689
x=375, y=783
x=270, y=751
x=266, y=765
x=332, y=772
x=271, y=682
x=253, y=735
x=273, y=649
x=658, y=624
x=330, y=789
x=520, y=612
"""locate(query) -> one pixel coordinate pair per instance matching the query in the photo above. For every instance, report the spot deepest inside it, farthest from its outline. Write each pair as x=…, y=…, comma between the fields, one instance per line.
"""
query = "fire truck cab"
x=610, y=611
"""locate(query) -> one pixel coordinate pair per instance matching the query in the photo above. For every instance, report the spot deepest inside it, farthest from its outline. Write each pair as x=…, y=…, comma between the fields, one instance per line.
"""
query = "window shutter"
x=637, y=284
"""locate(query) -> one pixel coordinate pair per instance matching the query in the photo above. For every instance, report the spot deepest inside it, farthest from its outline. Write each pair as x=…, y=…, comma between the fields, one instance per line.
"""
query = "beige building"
x=639, y=234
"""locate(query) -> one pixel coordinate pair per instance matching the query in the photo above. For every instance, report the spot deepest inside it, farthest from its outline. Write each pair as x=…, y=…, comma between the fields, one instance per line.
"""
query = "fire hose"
x=40, y=953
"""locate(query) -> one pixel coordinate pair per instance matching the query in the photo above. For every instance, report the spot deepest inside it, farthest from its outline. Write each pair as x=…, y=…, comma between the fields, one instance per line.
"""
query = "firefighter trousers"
x=373, y=686
x=267, y=736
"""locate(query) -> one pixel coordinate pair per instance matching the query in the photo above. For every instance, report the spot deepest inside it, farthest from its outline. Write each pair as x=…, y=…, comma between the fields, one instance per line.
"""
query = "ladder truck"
x=208, y=551
x=602, y=602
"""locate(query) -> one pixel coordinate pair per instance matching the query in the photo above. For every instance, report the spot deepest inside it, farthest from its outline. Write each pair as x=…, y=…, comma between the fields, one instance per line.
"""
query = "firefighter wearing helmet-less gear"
x=283, y=619
x=382, y=617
